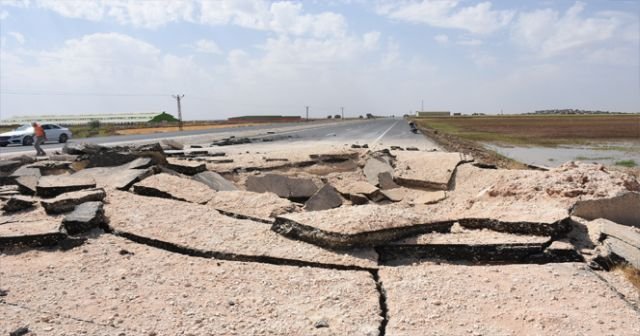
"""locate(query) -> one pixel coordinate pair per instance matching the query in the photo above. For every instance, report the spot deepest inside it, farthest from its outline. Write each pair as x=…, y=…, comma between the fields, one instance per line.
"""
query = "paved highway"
x=386, y=131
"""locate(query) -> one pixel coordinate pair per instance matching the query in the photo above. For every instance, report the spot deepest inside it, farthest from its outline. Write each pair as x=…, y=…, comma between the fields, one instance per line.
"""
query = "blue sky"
x=243, y=57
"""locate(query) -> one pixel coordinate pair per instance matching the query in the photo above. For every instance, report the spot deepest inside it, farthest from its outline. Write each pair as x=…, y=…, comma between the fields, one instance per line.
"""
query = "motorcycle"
x=413, y=127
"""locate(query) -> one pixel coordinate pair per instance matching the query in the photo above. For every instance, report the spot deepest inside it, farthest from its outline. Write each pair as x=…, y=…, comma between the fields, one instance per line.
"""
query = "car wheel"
x=27, y=141
x=63, y=138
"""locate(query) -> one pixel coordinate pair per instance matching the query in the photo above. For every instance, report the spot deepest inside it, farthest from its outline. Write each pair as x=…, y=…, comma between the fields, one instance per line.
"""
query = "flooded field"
x=617, y=153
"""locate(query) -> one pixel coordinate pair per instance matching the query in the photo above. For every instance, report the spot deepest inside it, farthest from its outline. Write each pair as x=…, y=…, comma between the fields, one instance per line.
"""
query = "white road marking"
x=384, y=133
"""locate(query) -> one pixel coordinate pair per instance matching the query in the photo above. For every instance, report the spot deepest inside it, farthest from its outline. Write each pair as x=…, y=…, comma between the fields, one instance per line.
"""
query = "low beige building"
x=426, y=114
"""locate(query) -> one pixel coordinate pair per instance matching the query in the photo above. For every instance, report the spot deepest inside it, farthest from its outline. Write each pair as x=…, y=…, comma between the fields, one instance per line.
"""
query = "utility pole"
x=422, y=108
x=342, y=112
x=307, y=113
x=178, y=98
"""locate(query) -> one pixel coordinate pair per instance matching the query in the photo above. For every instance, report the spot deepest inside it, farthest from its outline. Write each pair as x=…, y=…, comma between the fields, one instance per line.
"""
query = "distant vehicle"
x=413, y=127
x=23, y=135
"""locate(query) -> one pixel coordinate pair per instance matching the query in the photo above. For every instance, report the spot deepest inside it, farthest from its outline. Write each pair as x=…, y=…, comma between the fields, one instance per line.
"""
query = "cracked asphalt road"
x=387, y=131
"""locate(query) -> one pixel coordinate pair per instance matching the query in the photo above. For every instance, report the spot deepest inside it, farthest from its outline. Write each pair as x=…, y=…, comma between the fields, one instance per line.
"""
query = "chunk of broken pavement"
x=628, y=234
x=120, y=177
x=27, y=184
x=385, y=181
x=214, y=181
x=358, y=188
x=287, y=187
x=414, y=196
x=8, y=166
x=18, y=203
x=54, y=185
x=623, y=250
x=257, y=206
x=186, y=167
x=29, y=228
x=358, y=199
x=622, y=209
x=172, y=144
x=168, y=186
x=464, y=245
x=84, y=217
x=366, y=225
x=209, y=232
x=326, y=198
x=374, y=167
x=426, y=169
x=68, y=201
x=26, y=171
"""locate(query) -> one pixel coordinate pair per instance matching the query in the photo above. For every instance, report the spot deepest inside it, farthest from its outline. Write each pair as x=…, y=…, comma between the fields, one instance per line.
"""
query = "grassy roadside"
x=454, y=143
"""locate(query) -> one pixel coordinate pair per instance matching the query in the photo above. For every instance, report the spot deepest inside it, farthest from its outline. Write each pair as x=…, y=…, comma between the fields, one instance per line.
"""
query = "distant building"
x=426, y=114
x=114, y=118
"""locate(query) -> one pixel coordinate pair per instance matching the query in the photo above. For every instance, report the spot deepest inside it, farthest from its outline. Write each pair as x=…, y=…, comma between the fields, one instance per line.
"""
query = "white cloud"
x=483, y=59
x=550, y=33
x=283, y=17
x=147, y=14
x=3, y=15
x=477, y=19
x=469, y=42
x=15, y=3
x=206, y=47
x=18, y=36
x=441, y=38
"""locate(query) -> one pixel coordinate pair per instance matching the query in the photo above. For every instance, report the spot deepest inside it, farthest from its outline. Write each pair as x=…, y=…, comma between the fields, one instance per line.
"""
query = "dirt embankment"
x=452, y=143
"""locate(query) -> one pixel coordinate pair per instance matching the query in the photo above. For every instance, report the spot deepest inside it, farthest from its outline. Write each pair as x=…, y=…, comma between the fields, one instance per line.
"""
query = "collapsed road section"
x=320, y=240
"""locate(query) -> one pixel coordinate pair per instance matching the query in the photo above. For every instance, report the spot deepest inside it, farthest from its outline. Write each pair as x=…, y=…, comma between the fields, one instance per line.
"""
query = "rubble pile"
x=319, y=240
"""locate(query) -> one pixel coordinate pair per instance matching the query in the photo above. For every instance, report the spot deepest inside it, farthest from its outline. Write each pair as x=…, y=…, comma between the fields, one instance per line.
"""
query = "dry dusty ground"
x=312, y=240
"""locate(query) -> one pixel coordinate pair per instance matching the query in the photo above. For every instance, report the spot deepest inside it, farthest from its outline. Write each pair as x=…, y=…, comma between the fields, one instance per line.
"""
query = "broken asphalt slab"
x=475, y=246
x=325, y=198
x=18, y=203
x=121, y=177
x=551, y=299
x=85, y=217
x=30, y=228
x=432, y=170
x=622, y=209
x=186, y=167
x=54, y=185
x=414, y=196
x=242, y=204
x=371, y=225
x=152, y=291
x=376, y=166
x=366, y=225
x=198, y=229
x=68, y=201
x=168, y=186
x=296, y=189
x=214, y=181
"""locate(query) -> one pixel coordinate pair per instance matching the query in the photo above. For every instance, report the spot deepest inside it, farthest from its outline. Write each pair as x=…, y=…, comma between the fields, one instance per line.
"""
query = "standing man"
x=40, y=137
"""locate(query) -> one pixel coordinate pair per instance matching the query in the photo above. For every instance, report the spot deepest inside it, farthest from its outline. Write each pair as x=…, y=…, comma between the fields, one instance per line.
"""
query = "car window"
x=46, y=127
x=54, y=126
x=23, y=128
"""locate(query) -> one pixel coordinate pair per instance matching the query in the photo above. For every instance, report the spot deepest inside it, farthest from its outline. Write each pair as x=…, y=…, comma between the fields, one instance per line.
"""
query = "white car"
x=23, y=135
